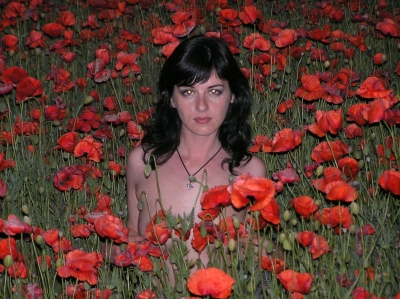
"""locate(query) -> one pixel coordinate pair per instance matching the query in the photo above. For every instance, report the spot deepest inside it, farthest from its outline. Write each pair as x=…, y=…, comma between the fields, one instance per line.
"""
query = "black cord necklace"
x=191, y=177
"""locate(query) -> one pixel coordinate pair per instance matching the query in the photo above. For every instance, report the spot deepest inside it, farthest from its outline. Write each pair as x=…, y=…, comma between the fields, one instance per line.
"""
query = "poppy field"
x=78, y=83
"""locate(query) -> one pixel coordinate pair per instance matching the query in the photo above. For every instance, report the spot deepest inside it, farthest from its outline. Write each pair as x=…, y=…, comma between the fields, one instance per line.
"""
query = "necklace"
x=191, y=177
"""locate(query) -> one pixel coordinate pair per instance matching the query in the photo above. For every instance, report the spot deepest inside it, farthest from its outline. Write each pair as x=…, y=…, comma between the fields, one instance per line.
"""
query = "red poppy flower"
x=318, y=247
x=134, y=130
x=356, y=113
x=331, y=121
x=10, y=42
x=329, y=151
x=273, y=265
x=81, y=265
x=200, y=241
x=261, y=143
x=285, y=38
x=89, y=148
x=246, y=188
x=390, y=181
x=13, y=226
x=229, y=18
x=286, y=176
x=146, y=294
x=69, y=177
x=320, y=34
x=183, y=24
x=210, y=282
x=296, y=282
x=9, y=163
x=215, y=197
x=256, y=41
x=251, y=15
x=112, y=227
x=305, y=238
x=284, y=106
x=53, y=29
x=157, y=230
x=311, y=88
x=349, y=167
x=286, y=140
x=361, y=293
x=66, y=18
x=18, y=270
x=340, y=191
x=341, y=216
x=228, y=227
x=353, y=131
x=8, y=246
x=68, y=141
x=388, y=27
x=271, y=212
x=28, y=88
x=372, y=88
x=13, y=75
x=81, y=230
x=127, y=63
x=304, y=206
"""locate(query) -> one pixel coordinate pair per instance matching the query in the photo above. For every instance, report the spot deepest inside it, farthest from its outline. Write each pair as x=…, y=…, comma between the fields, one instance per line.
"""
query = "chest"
x=167, y=189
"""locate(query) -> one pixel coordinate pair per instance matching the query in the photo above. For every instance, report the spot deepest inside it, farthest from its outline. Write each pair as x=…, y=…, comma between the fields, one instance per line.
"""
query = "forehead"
x=212, y=80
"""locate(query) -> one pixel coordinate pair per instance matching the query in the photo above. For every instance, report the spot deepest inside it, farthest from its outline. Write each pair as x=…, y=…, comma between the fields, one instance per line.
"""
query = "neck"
x=198, y=148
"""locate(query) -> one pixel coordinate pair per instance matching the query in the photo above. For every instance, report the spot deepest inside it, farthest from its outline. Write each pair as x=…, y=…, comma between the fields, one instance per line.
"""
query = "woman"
x=200, y=125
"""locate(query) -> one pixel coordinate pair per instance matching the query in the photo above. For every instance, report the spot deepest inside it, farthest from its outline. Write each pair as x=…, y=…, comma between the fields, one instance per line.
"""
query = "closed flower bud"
x=88, y=100
x=27, y=220
x=192, y=262
x=231, y=244
x=59, y=263
x=320, y=170
x=40, y=241
x=25, y=209
x=286, y=245
x=270, y=247
x=286, y=215
x=8, y=260
x=354, y=208
x=236, y=222
x=282, y=237
x=203, y=232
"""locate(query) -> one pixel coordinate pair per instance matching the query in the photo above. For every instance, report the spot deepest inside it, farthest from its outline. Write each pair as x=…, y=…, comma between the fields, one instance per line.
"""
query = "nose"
x=201, y=102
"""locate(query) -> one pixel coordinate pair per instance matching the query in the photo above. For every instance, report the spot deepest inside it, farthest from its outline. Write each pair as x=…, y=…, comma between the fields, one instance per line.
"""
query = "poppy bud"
x=320, y=170
x=286, y=215
x=327, y=64
x=317, y=225
x=217, y=244
x=27, y=220
x=40, y=241
x=352, y=229
x=203, y=232
x=231, y=244
x=8, y=260
x=59, y=263
x=86, y=286
x=354, y=208
x=236, y=222
x=282, y=237
x=366, y=150
x=286, y=245
x=25, y=209
x=270, y=247
x=173, y=257
x=202, y=29
x=294, y=222
x=192, y=262
x=250, y=287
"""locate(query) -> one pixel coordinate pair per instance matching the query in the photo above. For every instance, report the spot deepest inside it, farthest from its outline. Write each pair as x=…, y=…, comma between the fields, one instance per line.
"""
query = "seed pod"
x=27, y=220
x=286, y=215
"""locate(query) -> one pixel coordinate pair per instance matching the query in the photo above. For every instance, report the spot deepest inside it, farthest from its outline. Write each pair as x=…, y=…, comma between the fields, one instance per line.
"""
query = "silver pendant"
x=189, y=186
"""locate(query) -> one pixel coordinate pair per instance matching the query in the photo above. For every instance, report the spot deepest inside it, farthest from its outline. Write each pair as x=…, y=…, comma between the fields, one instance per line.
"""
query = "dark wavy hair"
x=192, y=62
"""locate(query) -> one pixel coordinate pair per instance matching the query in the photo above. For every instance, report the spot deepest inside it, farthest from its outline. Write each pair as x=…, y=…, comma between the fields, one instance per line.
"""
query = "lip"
x=202, y=120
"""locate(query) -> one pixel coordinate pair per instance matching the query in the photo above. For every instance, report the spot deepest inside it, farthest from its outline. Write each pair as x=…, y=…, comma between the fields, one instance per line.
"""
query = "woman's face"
x=202, y=107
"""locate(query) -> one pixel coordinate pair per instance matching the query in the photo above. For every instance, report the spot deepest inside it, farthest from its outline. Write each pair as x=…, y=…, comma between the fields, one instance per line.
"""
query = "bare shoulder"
x=135, y=161
x=255, y=167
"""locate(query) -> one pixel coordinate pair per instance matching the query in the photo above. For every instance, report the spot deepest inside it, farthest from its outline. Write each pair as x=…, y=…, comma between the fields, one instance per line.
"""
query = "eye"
x=187, y=92
x=215, y=91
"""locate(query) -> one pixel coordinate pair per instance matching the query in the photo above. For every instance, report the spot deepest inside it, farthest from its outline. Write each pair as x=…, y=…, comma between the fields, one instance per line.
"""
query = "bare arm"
x=134, y=168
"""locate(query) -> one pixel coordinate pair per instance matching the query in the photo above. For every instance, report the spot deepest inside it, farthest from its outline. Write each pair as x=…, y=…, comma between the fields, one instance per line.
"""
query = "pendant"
x=189, y=186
